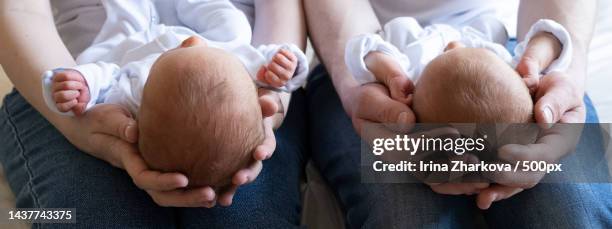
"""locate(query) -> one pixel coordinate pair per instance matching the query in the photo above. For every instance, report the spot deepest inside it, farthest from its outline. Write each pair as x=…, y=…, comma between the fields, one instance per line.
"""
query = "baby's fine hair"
x=207, y=120
x=472, y=86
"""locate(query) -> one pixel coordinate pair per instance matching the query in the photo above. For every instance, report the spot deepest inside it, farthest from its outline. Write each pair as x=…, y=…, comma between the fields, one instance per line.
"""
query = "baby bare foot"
x=280, y=69
x=70, y=91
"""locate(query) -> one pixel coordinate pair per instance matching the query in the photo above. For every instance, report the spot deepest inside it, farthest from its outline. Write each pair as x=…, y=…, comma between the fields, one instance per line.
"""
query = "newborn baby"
x=199, y=113
x=197, y=104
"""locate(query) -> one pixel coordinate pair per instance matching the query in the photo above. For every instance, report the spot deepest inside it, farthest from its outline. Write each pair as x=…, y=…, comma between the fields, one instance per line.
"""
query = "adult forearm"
x=578, y=17
x=279, y=21
x=30, y=45
x=331, y=24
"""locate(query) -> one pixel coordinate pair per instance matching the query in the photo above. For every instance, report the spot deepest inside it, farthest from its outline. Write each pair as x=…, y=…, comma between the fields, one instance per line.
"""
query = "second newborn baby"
x=461, y=76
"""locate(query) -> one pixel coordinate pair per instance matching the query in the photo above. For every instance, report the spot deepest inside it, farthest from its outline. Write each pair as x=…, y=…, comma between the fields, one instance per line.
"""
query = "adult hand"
x=372, y=104
x=553, y=143
x=273, y=112
x=374, y=109
x=109, y=132
x=558, y=95
x=558, y=99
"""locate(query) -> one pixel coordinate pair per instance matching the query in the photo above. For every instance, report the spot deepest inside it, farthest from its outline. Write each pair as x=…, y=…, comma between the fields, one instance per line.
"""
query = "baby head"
x=199, y=115
x=471, y=85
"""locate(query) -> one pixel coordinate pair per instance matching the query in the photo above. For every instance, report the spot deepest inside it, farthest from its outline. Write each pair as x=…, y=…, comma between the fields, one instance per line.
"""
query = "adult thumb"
x=380, y=108
x=553, y=101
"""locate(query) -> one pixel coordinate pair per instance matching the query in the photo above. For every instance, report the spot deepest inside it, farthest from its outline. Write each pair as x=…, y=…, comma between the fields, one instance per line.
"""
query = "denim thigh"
x=45, y=171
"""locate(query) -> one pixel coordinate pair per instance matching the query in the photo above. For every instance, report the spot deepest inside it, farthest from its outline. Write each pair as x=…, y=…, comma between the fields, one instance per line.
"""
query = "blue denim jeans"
x=335, y=149
x=45, y=171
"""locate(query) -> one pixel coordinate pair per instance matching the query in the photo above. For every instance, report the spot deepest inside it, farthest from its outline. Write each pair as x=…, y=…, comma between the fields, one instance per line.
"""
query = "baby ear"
x=192, y=41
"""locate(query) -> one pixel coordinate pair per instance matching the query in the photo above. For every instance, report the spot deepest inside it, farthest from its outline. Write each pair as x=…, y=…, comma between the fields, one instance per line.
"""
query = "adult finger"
x=147, y=179
x=495, y=193
x=247, y=175
x=267, y=147
x=269, y=101
x=227, y=196
x=197, y=197
x=374, y=104
x=114, y=120
x=458, y=188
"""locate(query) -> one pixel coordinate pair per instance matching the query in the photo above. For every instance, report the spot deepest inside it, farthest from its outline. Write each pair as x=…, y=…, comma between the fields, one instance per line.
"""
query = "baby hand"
x=70, y=92
x=541, y=51
x=388, y=72
x=279, y=70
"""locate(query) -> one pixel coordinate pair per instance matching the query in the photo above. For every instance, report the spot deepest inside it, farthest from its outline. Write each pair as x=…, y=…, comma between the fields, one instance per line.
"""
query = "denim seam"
x=583, y=204
x=21, y=148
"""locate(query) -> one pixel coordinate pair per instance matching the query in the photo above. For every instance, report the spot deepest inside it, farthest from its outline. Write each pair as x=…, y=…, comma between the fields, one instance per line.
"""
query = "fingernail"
x=128, y=132
x=402, y=118
x=548, y=116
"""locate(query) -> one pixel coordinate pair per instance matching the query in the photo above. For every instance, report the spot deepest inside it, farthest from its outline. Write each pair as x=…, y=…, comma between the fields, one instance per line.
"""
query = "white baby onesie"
x=117, y=65
x=414, y=47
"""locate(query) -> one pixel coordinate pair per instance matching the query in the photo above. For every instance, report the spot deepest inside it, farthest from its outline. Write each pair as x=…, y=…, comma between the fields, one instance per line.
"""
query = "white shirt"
x=117, y=65
x=413, y=46
x=426, y=12
x=79, y=21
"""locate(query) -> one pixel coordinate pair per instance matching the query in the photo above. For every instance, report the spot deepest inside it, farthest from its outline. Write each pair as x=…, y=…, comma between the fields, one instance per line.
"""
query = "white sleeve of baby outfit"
x=100, y=78
x=403, y=39
x=557, y=30
x=129, y=86
x=359, y=47
x=216, y=20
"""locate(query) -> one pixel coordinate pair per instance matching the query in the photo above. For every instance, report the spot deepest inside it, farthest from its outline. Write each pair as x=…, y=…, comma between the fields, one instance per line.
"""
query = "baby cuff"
x=546, y=25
